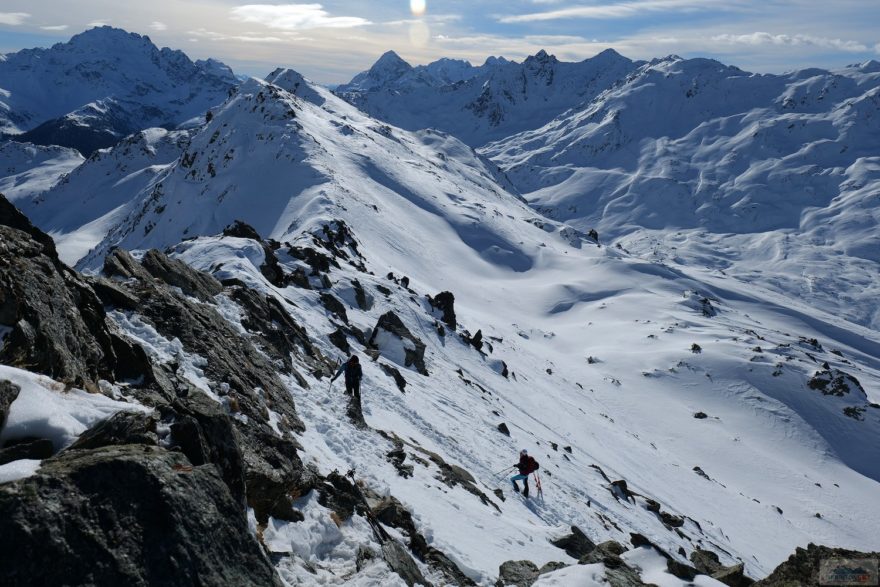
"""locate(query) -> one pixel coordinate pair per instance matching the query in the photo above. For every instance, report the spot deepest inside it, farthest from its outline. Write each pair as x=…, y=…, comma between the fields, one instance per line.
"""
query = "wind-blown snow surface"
x=599, y=345
x=102, y=85
x=29, y=170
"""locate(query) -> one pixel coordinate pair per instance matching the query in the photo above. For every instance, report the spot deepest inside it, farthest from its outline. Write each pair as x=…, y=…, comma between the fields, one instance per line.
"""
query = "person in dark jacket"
x=526, y=466
x=353, y=376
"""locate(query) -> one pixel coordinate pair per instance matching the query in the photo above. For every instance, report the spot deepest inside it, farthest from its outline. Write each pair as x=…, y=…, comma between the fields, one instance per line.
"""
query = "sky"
x=331, y=41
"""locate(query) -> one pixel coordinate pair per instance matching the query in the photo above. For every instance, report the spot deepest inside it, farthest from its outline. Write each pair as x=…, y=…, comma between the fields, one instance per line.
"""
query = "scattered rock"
x=339, y=340
x=503, y=429
x=334, y=306
x=680, y=569
x=700, y=416
x=696, y=349
x=836, y=382
x=620, y=490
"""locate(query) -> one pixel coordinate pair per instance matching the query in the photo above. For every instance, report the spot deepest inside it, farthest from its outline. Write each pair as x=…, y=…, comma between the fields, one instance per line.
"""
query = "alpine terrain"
x=645, y=287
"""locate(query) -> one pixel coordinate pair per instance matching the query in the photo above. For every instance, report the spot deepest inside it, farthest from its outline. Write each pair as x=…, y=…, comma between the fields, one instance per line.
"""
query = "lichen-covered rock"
x=126, y=515
x=803, y=567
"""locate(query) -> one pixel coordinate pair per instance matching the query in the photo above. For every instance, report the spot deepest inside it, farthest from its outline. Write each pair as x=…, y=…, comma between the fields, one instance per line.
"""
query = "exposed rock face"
x=120, y=429
x=151, y=529
x=414, y=348
x=272, y=467
x=803, y=567
x=179, y=274
x=58, y=325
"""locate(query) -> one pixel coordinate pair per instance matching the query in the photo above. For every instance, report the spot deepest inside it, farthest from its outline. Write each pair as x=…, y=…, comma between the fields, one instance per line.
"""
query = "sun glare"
x=418, y=7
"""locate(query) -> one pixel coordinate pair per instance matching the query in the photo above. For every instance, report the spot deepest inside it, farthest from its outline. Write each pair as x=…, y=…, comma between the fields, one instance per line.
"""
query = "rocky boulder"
x=394, y=340
x=8, y=394
x=127, y=515
x=445, y=302
x=178, y=274
x=575, y=544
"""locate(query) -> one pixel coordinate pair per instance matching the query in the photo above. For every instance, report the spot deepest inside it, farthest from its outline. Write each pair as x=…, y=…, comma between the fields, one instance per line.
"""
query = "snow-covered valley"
x=701, y=374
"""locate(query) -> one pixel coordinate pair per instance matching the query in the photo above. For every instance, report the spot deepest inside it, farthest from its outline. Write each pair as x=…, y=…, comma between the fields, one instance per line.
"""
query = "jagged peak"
x=295, y=83
x=390, y=59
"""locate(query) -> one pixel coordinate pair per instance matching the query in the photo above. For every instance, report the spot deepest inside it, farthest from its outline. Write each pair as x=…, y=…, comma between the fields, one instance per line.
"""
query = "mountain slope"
x=481, y=104
x=768, y=178
x=102, y=85
x=601, y=364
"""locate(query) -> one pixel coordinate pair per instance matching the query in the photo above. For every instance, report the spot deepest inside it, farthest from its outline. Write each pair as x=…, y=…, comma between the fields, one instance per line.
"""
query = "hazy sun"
x=418, y=7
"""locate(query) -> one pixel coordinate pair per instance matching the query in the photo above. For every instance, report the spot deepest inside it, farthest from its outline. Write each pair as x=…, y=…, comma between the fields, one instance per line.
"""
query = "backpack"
x=533, y=464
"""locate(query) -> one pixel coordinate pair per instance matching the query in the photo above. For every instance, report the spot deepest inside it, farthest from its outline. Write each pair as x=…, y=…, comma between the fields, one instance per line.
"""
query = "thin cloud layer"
x=13, y=18
x=293, y=17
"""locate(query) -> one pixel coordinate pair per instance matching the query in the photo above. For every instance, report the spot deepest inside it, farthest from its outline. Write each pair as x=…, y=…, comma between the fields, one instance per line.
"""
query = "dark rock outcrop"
x=523, y=573
x=803, y=567
x=399, y=381
x=8, y=394
x=26, y=448
x=576, y=544
x=178, y=274
x=445, y=302
x=58, y=325
x=413, y=347
x=127, y=515
x=120, y=429
x=836, y=382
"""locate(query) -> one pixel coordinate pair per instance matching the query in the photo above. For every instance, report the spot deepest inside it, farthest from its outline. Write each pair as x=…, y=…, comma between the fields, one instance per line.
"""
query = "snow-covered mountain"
x=742, y=421
x=102, y=85
x=29, y=170
x=769, y=178
x=485, y=103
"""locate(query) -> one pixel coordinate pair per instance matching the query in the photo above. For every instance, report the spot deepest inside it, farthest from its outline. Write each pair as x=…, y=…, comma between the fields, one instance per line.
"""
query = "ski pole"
x=503, y=470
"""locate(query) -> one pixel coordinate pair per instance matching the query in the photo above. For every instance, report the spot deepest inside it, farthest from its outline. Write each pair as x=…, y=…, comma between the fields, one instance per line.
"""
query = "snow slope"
x=102, y=85
x=610, y=357
x=29, y=170
x=485, y=103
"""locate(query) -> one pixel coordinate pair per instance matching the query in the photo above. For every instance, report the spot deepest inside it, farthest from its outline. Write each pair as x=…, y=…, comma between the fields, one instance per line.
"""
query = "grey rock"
x=706, y=561
x=403, y=564
x=520, y=573
x=733, y=576
x=445, y=302
x=126, y=515
x=59, y=326
x=394, y=374
x=12, y=217
x=575, y=544
x=8, y=393
x=26, y=448
x=121, y=428
x=334, y=306
x=391, y=323
x=179, y=274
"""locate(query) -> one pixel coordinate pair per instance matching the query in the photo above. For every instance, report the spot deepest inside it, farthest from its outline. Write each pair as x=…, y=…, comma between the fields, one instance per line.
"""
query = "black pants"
x=353, y=388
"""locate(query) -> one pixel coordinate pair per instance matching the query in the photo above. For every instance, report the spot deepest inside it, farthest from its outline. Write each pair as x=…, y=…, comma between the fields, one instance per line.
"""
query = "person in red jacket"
x=526, y=466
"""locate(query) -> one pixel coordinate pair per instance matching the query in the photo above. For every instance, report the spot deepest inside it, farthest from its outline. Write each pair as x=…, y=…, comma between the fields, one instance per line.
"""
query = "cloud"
x=761, y=38
x=294, y=16
x=158, y=26
x=97, y=23
x=243, y=37
x=13, y=18
x=55, y=27
x=608, y=11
